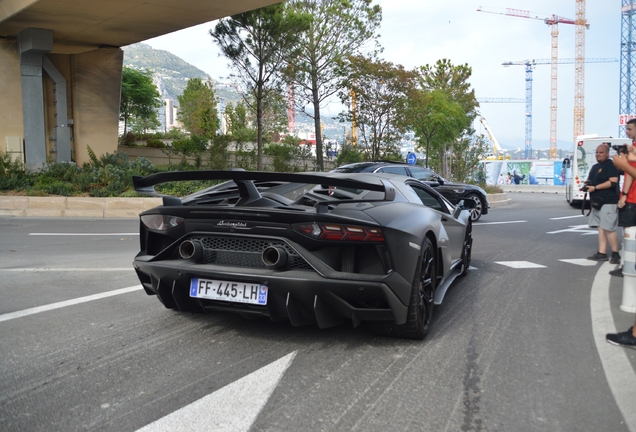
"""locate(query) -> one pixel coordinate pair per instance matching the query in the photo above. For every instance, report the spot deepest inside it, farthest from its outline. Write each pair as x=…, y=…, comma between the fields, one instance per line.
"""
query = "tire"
x=475, y=213
x=467, y=250
x=420, y=311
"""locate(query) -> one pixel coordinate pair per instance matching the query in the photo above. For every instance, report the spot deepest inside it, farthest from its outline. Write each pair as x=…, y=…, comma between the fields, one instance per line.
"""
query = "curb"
x=498, y=200
x=87, y=207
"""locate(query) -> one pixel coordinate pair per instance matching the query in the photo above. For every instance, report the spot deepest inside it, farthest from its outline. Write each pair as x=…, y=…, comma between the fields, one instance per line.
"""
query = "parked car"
x=319, y=248
x=454, y=192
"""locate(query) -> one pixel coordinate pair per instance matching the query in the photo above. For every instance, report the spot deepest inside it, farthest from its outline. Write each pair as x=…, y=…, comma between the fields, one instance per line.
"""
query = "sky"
x=419, y=32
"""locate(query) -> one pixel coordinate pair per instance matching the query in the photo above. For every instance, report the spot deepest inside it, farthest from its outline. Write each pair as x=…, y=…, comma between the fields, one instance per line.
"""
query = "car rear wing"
x=248, y=191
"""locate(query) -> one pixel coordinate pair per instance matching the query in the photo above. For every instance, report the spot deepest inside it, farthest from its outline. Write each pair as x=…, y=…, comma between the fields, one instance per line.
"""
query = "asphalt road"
x=509, y=349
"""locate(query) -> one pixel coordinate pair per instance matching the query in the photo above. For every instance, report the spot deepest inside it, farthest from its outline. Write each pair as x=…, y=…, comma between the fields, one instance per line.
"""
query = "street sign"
x=411, y=159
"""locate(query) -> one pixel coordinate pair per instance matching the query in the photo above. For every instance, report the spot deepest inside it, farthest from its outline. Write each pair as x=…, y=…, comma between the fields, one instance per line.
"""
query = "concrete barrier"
x=87, y=207
x=546, y=189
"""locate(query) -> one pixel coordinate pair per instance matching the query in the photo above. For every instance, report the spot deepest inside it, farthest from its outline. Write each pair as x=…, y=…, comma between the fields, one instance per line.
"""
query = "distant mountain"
x=170, y=73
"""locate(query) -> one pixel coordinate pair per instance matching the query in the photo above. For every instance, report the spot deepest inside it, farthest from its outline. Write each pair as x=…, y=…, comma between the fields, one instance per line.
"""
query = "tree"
x=380, y=89
x=464, y=159
x=339, y=28
x=139, y=99
x=256, y=43
x=237, y=122
x=436, y=120
x=453, y=80
x=197, y=109
x=449, y=107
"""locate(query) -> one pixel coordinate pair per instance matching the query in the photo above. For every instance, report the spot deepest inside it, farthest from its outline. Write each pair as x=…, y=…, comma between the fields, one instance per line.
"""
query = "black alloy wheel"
x=420, y=311
x=475, y=213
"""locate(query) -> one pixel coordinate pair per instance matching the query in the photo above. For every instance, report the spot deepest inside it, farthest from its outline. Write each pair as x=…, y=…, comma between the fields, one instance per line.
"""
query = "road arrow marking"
x=519, y=264
x=499, y=223
x=580, y=261
x=580, y=229
x=231, y=408
x=567, y=217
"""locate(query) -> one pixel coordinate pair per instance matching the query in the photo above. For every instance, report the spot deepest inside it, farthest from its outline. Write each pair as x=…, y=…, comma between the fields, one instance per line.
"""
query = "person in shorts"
x=602, y=185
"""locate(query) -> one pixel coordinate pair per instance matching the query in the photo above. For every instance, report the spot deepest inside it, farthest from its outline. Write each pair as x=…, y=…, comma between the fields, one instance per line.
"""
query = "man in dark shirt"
x=602, y=185
x=517, y=179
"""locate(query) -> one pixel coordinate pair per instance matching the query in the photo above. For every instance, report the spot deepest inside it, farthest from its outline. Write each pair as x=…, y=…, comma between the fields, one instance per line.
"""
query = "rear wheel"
x=420, y=311
x=475, y=213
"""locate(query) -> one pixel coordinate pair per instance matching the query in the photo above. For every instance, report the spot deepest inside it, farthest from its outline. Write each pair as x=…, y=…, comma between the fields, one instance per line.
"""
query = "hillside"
x=170, y=73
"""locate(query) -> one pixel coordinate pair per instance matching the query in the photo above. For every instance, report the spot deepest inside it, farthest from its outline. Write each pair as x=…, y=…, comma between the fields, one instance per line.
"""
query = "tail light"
x=161, y=222
x=338, y=232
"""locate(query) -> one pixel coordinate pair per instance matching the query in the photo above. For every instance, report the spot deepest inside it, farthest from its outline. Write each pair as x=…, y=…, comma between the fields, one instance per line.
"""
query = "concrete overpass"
x=61, y=63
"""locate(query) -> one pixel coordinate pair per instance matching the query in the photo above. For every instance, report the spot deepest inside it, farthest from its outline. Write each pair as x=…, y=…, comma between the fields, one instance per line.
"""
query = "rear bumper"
x=300, y=296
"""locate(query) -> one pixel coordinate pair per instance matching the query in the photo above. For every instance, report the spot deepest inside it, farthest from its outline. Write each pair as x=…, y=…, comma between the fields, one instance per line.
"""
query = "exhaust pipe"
x=191, y=249
x=275, y=256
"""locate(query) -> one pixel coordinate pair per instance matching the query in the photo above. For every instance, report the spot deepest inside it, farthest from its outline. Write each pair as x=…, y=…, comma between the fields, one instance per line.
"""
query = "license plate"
x=238, y=292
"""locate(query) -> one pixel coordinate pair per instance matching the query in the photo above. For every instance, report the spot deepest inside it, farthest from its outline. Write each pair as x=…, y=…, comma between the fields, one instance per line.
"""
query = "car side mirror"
x=467, y=204
x=440, y=180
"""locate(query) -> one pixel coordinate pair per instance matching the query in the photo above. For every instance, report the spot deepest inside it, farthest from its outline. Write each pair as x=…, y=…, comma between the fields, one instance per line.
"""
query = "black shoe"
x=615, y=259
x=624, y=339
x=598, y=257
x=617, y=272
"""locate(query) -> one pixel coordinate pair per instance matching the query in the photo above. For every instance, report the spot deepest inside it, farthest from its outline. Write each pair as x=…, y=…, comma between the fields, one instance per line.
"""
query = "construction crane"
x=627, y=102
x=579, y=70
x=553, y=21
x=530, y=64
x=497, y=150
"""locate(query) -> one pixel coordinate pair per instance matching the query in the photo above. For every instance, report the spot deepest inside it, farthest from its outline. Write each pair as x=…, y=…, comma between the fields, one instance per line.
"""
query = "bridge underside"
x=61, y=62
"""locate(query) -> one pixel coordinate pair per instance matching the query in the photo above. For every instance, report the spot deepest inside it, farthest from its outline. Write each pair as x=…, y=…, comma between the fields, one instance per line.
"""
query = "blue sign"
x=411, y=159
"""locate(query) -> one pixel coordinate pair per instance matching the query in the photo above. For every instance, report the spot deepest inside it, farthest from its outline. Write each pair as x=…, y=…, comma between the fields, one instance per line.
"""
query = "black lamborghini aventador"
x=320, y=248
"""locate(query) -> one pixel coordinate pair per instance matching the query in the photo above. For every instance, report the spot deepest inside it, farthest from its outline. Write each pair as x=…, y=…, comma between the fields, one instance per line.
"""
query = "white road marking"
x=567, y=217
x=618, y=370
x=472, y=268
x=580, y=229
x=61, y=269
x=499, y=223
x=84, y=234
x=580, y=261
x=520, y=264
x=58, y=305
x=234, y=407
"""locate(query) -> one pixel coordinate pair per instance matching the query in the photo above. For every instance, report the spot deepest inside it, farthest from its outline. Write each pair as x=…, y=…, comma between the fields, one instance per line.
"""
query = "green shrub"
x=128, y=139
x=60, y=188
x=155, y=143
x=491, y=189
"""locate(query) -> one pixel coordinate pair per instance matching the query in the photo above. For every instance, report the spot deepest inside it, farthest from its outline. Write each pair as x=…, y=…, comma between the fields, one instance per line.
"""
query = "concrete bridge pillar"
x=57, y=114
x=33, y=44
